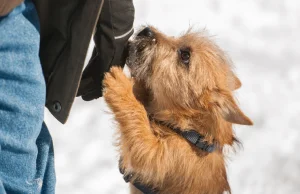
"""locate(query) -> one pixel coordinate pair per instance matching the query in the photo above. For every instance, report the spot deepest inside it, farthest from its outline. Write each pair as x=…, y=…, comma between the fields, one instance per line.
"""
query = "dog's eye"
x=185, y=55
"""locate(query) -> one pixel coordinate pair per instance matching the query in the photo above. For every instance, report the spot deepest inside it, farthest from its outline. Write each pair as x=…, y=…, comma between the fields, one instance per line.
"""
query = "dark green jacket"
x=67, y=27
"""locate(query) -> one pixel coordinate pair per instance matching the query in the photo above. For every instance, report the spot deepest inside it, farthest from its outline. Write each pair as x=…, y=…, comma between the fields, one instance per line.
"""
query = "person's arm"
x=115, y=26
x=7, y=5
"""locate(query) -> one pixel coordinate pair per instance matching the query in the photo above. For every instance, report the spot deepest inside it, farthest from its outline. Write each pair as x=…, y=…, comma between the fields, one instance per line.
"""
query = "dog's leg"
x=142, y=147
x=128, y=111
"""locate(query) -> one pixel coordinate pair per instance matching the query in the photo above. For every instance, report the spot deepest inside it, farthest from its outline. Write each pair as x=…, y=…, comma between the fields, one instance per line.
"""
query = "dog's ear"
x=224, y=104
x=234, y=82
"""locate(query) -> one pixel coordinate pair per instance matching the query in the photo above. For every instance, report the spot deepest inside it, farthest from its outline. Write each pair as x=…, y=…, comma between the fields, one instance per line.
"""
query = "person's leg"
x=26, y=151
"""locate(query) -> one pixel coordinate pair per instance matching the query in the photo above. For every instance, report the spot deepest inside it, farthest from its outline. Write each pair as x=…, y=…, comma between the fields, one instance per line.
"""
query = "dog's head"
x=189, y=72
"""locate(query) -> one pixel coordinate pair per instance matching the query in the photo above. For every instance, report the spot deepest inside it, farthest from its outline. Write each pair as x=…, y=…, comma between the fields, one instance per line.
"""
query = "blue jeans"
x=26, y=150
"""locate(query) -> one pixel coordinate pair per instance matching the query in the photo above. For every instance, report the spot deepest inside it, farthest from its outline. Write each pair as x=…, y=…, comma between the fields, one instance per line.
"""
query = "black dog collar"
x=191, y=136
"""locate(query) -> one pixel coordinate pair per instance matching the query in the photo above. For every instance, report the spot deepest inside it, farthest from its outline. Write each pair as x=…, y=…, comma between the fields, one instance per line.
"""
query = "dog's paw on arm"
x=117, y=88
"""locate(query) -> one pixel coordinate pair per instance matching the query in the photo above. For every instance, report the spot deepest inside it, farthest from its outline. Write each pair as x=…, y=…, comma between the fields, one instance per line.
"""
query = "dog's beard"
x=132, y=59
x=140, y=59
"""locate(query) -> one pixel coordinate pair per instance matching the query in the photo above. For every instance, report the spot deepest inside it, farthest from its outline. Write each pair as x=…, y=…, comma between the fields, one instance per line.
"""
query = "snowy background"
x=262, y=38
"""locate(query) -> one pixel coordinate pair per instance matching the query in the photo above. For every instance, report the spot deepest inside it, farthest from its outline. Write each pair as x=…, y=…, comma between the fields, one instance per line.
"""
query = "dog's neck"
x=214, y=128
x=190, y=135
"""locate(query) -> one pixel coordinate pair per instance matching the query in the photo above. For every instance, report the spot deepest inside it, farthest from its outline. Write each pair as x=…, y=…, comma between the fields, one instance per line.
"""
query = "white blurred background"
x=261, y=36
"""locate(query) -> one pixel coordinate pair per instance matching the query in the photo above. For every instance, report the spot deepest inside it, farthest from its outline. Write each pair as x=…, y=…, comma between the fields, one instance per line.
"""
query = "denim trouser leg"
x=26, y=150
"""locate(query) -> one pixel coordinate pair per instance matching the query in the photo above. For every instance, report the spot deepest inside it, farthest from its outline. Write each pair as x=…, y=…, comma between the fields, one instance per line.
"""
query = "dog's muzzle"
x=146, y=32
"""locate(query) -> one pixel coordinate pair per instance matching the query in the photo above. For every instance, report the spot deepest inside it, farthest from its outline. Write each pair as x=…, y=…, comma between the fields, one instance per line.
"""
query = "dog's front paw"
x=117, y=86
x=117, y=81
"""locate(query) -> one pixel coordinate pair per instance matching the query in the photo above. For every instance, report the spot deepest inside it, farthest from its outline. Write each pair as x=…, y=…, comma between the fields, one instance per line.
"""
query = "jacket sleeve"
x=7, y=6
x=114, y=27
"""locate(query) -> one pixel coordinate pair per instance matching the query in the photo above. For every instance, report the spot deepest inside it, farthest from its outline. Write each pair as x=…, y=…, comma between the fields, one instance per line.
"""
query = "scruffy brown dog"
x=178, y=85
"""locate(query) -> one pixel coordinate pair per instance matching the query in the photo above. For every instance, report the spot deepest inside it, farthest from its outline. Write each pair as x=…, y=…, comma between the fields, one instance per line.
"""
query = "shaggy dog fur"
x=188, y=83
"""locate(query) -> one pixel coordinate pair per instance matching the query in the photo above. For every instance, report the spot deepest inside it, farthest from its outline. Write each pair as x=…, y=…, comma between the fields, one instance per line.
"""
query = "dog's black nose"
x=146, y=32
